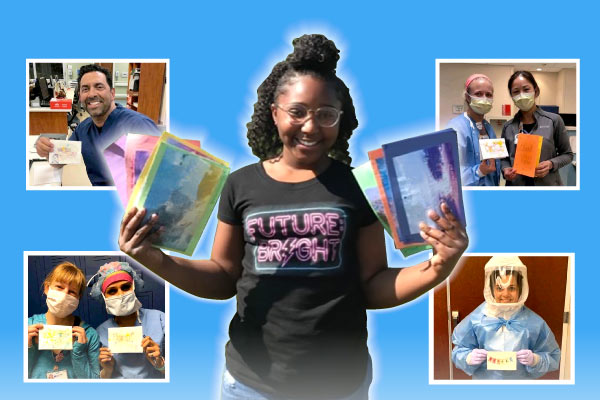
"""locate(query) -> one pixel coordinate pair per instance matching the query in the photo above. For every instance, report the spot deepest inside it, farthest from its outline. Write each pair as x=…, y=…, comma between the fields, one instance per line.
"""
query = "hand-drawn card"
x=125, y=340
x=527, y=156
x=65, y=152
x=115, y=159
x=189, y=145
x=385, y=191
x=502, y=360
x=182, y=188
x=55, y=337
x=424, y=172
x=366, y=180
x=492, y=148
x=138, y=146
x=138, y=150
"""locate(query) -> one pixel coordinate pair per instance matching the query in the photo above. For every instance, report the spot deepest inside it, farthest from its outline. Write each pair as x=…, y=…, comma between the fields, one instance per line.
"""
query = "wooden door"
x=108, y=66
x=152, y=81
x=547, y=277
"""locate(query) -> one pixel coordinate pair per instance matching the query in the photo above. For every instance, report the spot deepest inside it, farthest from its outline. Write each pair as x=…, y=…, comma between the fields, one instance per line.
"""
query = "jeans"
x=232, y=389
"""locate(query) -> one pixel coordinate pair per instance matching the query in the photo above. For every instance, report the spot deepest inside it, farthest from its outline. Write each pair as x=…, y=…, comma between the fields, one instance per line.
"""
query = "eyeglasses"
x=325, y=117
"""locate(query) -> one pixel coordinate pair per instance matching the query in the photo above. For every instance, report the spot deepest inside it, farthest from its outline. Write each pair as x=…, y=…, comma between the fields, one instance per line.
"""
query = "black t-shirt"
x=300, y=327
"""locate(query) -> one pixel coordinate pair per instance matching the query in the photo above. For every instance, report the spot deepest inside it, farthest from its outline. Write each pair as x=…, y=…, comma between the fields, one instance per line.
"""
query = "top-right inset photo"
x=517, y=121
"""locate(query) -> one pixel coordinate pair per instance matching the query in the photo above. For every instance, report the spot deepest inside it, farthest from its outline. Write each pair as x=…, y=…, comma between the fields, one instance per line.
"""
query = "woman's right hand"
x=509, y=173
x=487, y=166
x=135, y=240
x=32, y=332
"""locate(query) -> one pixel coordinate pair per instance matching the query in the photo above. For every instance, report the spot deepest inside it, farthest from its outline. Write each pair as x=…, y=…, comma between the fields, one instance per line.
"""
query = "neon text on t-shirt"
x=297, y=239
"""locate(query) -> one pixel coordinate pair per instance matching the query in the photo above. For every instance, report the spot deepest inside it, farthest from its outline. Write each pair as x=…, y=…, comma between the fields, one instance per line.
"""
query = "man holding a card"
x=502, y=338
x=133, y=340
x=108, y=122
x=60, y=344
x=471, y=128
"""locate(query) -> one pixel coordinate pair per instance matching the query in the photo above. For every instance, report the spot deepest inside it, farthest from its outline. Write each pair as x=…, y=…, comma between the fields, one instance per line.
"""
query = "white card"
x=492, y=148
x=55, y=337
x=502, y=360
x=65, y=152
x=125, y=340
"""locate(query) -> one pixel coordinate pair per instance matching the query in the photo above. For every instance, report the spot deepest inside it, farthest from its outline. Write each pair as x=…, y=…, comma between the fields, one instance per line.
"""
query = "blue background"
x=218, y=55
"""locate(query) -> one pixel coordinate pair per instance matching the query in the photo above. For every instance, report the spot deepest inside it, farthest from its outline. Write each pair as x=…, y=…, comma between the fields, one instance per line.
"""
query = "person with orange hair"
x=63, y=288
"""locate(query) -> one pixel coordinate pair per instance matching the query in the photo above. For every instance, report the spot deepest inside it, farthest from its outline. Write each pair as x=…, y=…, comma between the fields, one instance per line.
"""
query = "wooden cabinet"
x=148, y=98
x=45, y=120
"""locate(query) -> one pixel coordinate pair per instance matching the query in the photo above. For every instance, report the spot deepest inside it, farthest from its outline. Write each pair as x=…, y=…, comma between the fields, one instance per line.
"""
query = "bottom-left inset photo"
x=94, y=316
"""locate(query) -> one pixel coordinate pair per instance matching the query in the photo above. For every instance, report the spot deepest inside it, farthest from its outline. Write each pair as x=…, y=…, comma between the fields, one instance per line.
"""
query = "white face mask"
x=61, y=304
x=524, y=101
x=481, y=105
x=122, y=305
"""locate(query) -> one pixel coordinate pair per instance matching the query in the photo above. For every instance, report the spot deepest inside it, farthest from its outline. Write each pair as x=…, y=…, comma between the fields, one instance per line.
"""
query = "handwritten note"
x=502, y=360
x=125, y=340
x=65, y=152
x=527, y=155
x=55, y=337
x=492, y=148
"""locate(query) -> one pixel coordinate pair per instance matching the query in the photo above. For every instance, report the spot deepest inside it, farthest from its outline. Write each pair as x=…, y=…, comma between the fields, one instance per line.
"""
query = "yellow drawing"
x=56, y=337
x=125, y=340
x=492, y=148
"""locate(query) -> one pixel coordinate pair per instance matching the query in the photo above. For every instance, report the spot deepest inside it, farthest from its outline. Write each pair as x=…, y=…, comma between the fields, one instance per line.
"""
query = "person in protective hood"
x=504, y=323
x=116, y=283
x=63, y=288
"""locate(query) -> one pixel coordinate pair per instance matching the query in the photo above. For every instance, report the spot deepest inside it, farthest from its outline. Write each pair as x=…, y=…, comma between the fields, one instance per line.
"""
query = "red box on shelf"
x=61, y=104
x=505, y=109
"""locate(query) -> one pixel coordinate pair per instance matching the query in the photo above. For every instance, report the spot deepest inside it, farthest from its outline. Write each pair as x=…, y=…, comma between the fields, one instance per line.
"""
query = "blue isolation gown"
x=524, y=330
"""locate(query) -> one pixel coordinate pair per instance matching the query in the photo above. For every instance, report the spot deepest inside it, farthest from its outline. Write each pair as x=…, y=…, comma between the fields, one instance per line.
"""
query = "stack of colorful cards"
x=171, y=177
x=181, y=183
x=127, y=156
x=405, y=179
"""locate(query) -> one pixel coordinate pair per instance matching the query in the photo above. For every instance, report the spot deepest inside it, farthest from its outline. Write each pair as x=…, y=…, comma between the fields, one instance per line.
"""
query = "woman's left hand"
x=79, y=334
x=543, y=168
x=449, y=240
x=151, y=349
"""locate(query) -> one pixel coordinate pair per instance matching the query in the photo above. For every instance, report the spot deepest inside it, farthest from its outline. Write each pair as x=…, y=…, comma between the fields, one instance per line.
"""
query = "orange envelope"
x=528, y=152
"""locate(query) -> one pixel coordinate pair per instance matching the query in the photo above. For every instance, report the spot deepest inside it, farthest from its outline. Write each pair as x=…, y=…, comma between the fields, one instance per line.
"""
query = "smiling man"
x=108, y=122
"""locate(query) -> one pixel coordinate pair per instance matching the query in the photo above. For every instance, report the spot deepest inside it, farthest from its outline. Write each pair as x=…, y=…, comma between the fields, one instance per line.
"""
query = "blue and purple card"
x=424, y=172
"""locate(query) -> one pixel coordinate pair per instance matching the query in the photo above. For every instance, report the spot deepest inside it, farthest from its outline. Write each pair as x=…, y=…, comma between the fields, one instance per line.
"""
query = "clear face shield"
x=506, y=288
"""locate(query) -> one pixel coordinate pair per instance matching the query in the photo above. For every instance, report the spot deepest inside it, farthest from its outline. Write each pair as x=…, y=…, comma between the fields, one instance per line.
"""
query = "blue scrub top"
x=94, y=140
x=136, y=365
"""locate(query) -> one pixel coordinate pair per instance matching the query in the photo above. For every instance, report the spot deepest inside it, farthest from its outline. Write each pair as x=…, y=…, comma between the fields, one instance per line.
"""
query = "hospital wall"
x=556, y=88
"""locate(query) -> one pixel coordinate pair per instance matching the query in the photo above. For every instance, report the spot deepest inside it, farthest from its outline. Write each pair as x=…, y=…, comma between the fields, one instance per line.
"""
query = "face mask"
x=60, y=303
x=524, y=101
x=481, y=105
x=122, y=305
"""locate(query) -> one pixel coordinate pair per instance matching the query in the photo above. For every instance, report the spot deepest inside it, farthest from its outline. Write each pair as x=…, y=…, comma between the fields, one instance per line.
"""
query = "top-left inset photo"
x=77, y=109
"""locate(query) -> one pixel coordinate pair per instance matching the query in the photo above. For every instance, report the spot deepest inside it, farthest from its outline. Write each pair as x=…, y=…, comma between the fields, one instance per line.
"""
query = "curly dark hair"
x=94, y=68
x=313, y=55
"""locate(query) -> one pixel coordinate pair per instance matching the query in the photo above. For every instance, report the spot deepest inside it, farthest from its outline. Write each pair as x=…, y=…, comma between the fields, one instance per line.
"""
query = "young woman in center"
x=298, y=244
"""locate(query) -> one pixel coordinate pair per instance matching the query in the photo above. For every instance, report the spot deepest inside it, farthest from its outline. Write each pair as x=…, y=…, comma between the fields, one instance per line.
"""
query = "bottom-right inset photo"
x=504, y=317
